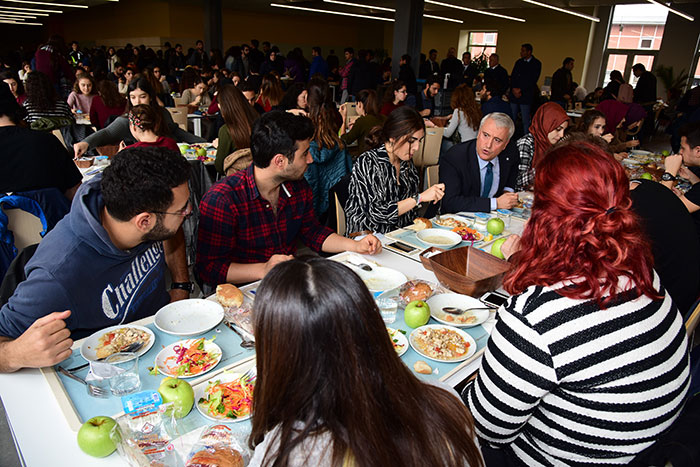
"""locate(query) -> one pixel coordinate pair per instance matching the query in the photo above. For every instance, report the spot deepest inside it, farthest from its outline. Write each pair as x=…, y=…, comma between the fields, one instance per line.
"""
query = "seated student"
x=251, y=95
x=84, y=91
x=491, y=100
x=295, y=100
x=466, y=114
x=108, y=103
x=32, y=160
x=479, y=175
x=271, y=93
x=15, y=83
x=368, y=118
x=306, y=409
x=103, y=264
x=547, y=128
x=425, y=104
x=140, y=92
x=394, y=97
x=196, y=96
x=588, y=363
x=384, y=187
x=42, y=100
x=690, y=157
x=254, y=219
x=238, y=118
x=146, y=127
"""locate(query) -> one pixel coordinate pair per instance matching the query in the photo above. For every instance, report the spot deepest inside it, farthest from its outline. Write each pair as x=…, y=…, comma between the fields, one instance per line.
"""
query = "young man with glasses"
x=104, y=263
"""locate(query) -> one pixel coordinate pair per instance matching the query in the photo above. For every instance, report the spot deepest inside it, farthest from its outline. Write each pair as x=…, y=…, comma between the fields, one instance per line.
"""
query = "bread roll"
x=229, y=295
x=421, y=367
x=216, y=457
x=421, y=223
x=417, y=291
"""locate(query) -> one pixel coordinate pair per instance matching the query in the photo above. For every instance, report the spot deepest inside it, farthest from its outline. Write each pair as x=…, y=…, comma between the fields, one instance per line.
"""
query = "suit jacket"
x=499, y=75
x=525, y=76
x=459, y=171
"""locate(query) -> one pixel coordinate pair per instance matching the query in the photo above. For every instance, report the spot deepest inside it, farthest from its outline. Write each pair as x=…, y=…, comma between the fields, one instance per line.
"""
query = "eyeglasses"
x=186, y=212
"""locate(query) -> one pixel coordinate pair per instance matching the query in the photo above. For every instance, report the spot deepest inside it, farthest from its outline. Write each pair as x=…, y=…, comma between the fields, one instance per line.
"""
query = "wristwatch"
x=668, y=177
x=416, y=198
x=188, y=286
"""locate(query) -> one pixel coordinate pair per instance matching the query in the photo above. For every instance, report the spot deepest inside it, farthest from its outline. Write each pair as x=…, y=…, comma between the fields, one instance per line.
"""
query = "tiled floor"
x=8, y=453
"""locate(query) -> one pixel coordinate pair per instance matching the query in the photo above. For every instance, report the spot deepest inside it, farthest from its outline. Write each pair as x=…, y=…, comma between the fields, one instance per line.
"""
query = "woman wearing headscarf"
x=547, y=128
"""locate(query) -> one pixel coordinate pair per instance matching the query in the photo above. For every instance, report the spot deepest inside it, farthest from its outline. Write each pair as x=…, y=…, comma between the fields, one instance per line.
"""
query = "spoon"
x=358, y=262
x=458, y=311
x=245, y=343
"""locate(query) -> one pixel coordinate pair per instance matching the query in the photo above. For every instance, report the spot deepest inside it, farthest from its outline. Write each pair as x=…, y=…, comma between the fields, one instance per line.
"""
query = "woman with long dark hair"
x=384, y=192
x=106, y=104
x=331, y=160
x=588, y=363
x=42, y=100
x=394, y=97
x=271, y=93
x=466, y=115
x=238, y=117
x=295, y=99
x=316, y=405
x=367, y=108
x=139, y=92
x=15, y=84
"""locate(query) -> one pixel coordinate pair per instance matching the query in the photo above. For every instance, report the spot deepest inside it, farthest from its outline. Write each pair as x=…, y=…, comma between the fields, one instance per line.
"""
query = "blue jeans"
x=525, y=111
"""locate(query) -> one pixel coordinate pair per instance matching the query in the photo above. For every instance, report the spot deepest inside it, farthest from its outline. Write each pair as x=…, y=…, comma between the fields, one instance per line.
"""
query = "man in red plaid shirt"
x=253, y=220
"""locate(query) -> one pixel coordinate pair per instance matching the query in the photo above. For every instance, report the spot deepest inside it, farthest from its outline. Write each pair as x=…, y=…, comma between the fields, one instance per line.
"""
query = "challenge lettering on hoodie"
x=117, y=299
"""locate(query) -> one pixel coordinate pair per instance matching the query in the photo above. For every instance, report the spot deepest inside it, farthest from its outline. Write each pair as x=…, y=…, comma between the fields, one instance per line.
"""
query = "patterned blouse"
x=374, y=193
x=526, y=173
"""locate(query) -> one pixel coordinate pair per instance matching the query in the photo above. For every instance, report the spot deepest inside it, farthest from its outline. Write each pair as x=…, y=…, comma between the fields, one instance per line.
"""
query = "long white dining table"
x=42, y=433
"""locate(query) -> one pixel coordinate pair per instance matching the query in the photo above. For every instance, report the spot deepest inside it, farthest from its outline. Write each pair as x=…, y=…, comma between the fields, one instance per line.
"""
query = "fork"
x=93, y=390
x=130, y=348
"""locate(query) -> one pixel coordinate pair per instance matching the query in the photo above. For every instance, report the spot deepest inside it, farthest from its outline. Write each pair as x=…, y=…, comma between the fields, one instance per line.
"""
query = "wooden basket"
x=450, y=267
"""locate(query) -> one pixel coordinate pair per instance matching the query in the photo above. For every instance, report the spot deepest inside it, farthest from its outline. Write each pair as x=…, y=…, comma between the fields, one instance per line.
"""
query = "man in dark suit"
x=479, y=175
x=453, y=66
x=469, y=69
x=430, y=68
x=523, y=83
x=496, y=73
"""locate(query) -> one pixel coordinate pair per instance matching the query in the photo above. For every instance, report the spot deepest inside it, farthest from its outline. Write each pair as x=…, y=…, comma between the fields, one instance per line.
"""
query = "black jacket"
x=499, y=75
x=459, y=171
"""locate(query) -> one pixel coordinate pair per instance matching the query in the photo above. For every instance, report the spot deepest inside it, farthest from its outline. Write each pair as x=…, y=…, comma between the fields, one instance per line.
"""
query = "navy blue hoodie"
x=78, y=268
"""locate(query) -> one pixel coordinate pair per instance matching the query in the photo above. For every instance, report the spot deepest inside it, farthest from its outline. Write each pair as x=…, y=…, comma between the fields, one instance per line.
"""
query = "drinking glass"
x=388, y=308
x=126, y=378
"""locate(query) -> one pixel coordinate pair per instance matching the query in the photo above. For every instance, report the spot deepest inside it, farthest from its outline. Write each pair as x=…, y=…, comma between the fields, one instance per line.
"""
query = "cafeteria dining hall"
x=286, y=233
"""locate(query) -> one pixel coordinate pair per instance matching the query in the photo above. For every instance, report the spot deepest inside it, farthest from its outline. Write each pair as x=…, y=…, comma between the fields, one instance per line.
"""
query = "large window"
x=482, y=42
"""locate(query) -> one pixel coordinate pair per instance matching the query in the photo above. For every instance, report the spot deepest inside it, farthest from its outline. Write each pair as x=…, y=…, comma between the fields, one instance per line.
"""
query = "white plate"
x=169, y=351
x=89, y=348
x=451, y=216
x=189, y=317
x=380, y=278
x=438, y=302
x=465, y=336
x=639, y=152
x=200, y=393
x=439, y=238
x=401, y=341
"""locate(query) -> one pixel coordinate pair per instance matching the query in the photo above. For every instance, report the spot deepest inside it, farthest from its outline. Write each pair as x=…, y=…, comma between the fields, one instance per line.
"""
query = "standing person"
x=84, y=92
x=589, y=342
x=367, y=107
x=345, y=73
x=199, y=58
x=384, y=191
x=548, y=126
x=645, y=95
x=147, y=129
x=254, y=219
x=239, y=118
x=305, y=410
x=318, y=64
x=430, y=68
x=466, y=114
x=112, y=59
x=331, y=160
x=563, y=84
x=394, y=97
x=408, y=77
x=50, y=59
x=177, y=62
x=523, y=84
x=491, y=101
x=452, y=66
x=106, y=104
x=496, y=73
x=77, y=57
x=469, y=69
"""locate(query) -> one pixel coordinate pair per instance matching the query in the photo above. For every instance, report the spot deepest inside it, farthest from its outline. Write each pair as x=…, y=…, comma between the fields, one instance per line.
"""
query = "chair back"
x=692, y=322
x=57, y=134
x=179, y=101
x=25, y=226
x=340, y=226
x=431, y=148
x=431, y=175
x=179, y=116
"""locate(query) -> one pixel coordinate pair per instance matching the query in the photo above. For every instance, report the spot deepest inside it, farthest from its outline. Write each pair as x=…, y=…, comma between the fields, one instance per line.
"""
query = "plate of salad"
x=399, y=340
x=228, y=397
x=188, y=358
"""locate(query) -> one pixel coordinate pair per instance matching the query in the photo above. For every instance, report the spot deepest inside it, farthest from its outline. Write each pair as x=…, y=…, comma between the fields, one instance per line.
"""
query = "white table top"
x=43, y=434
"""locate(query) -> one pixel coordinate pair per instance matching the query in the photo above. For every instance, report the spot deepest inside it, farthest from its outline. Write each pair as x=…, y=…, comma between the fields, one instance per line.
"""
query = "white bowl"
x=439, y=238
x=438, y=302
x=380, y=278
x=189, y=317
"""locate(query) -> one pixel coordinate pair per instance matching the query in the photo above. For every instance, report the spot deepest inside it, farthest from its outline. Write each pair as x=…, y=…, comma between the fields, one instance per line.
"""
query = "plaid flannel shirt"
x=526, y=173
x=237, y=225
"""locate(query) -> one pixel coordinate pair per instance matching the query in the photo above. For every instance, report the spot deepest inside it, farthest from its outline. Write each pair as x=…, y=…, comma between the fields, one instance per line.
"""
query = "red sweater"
x=162, y=142
x=99, y=112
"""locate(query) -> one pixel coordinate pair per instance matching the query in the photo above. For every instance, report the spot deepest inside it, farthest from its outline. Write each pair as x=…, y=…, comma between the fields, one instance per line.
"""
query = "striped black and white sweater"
x=563, y=382
x=61, y=109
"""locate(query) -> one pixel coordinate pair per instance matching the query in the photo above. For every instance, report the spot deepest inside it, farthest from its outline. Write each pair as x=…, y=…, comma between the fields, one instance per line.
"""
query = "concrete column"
x=213, y=37
x=408, y=33
x=593, y=66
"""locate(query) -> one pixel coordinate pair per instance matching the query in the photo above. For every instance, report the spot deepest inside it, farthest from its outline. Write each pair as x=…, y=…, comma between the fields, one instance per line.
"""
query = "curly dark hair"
x=40, y=92
x=141, y=179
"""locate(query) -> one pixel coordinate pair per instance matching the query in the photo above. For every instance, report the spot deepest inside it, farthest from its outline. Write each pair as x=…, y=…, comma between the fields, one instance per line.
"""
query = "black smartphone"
x=402, y=247
x=493, y=299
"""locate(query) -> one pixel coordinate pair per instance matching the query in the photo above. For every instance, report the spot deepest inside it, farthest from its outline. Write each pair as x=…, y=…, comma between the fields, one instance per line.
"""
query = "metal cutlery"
x=359, y=263
x=93, y=390
x=130, y=348
x=458, y=311
x=245, y=342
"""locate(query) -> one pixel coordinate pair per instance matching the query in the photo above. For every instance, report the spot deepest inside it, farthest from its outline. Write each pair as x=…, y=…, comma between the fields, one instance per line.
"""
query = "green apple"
x=184, y=148
x=646, y=176
x=180, y=393
x=94, y=437
x=665, y=153
x=416, y=313
x=201, y=152
x=496, y=248
x=495, y=226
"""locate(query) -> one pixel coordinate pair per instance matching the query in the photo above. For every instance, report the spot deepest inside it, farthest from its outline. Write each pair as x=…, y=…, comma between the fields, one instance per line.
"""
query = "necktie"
x=488, y=181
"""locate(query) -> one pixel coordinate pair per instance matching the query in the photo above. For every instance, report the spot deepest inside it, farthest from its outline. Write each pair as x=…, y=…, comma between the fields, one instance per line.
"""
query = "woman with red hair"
x=589, y=360
x=547, y=128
